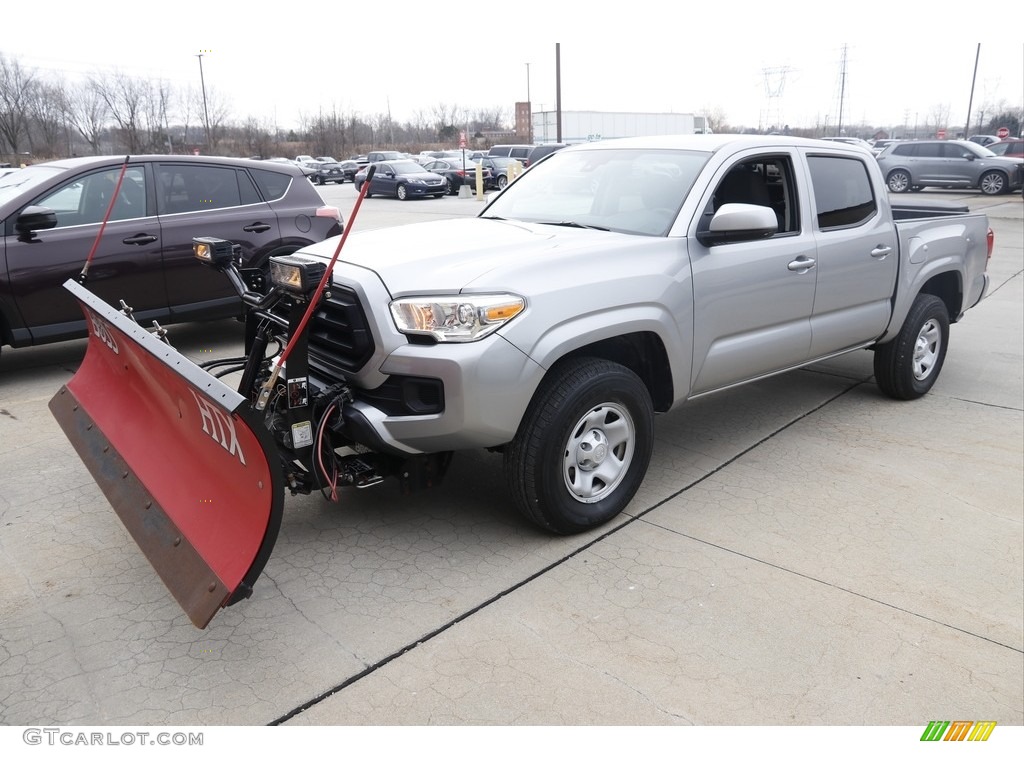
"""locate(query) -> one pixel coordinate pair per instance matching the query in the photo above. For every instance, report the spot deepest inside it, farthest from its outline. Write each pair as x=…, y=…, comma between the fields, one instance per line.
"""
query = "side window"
x=271, y=184
x=842, y=191
x=930, y=150
x=767, y=181
x=904, y=150
x=85, y=200
x=187, y=188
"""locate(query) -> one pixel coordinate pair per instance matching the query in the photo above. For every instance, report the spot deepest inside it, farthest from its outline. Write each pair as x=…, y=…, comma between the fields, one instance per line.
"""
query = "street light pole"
x=206, y=112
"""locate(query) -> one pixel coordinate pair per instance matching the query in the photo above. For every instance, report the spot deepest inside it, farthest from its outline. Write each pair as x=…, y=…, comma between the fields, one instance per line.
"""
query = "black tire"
x=450, y=187
x=502, y=181
x=587, y=411
x=402, y=193
x=993, y=183
x=907, y=366
x=898, y=181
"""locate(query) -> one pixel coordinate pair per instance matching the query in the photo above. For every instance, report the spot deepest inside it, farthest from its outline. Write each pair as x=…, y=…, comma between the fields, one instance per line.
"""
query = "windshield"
x=637, y=191
x=13, y=184
x=406, y=166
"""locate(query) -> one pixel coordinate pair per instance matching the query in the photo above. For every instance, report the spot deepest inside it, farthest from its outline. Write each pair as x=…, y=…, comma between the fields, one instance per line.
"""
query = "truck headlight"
x=455, y=318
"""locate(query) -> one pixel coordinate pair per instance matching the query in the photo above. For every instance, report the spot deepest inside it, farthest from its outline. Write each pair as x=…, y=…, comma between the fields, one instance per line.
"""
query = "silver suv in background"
x=910, y=165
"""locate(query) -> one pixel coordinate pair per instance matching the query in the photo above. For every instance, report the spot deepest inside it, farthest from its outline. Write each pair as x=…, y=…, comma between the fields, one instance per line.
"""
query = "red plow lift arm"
x=185, y=462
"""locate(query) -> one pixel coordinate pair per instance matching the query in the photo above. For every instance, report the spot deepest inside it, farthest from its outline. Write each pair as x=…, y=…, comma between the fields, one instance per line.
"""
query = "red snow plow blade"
x=182, y=458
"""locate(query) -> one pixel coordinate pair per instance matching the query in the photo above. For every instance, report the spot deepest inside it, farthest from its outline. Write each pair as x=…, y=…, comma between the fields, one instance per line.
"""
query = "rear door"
x=208, y=200
x=126, y=264
x=857, y=255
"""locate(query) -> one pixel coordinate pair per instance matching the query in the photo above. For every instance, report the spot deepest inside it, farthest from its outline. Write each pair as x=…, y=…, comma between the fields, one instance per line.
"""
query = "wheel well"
x=645, y=355
x=948, y=288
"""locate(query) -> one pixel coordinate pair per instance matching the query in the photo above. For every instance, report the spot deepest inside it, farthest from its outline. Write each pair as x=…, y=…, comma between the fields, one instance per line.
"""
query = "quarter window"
x=842, y=191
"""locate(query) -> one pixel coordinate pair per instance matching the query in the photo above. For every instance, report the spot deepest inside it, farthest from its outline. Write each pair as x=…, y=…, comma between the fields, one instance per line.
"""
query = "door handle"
x=139, y=239
x=880, y=251
x=801, y=264
x=258, y=227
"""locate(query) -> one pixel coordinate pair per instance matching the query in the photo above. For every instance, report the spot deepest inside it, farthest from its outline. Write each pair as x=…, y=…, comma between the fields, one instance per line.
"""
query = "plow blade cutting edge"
x=182, y=458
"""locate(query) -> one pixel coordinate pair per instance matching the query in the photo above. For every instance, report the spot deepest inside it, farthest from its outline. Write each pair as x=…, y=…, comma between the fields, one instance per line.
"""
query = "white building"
x=593, y=126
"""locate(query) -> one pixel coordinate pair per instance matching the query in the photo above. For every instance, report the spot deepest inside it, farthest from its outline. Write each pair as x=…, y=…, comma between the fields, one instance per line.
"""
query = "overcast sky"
x=751, y=63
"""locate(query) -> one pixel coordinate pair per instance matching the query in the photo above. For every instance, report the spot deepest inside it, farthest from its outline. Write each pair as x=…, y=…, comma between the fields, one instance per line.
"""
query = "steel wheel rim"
x=598, y=453
x=927, y=349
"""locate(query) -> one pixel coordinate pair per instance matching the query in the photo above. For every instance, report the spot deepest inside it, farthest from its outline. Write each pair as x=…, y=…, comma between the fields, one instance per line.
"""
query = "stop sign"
x=1002, y=133
x=940, y=134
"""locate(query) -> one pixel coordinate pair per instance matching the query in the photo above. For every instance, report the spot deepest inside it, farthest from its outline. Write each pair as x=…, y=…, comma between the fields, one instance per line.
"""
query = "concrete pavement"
x=803, y=551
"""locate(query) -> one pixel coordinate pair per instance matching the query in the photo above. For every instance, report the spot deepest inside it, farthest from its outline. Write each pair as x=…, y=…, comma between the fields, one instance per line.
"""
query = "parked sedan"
x=53, y=212
x=457, y=174
x=403, y=179
x=911, y=165
x=337, y=172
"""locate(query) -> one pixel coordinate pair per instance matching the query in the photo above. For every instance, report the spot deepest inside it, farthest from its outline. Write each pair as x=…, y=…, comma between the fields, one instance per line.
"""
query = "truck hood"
x=451, y=254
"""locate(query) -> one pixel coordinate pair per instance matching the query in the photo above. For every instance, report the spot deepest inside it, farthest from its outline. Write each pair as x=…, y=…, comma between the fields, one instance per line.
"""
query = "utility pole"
x=529, y=105
x=558, y=92
x=206, y=111
x=970, y=102
x=842, y=94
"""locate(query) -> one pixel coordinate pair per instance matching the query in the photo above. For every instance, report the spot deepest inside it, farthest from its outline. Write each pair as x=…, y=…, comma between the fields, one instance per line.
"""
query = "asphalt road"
x=803, y=551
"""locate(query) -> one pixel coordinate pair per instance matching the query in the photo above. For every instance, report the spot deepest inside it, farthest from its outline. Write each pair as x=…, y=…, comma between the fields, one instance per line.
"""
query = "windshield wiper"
x=574, y=224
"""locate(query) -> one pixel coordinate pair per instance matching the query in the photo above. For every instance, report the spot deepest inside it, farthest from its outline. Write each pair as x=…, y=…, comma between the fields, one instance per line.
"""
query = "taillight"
x=330, y=212
x=990, y=239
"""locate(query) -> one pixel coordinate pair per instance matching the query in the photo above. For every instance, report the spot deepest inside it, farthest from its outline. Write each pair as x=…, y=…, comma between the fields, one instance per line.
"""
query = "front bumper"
x=487, y=386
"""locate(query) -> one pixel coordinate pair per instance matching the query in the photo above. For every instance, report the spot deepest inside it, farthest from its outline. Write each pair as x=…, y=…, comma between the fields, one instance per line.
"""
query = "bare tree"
x=154, y=113
x=47, y=109
x=126, y=99
x=16, y=90
x=940, y=116
x=87, y=112
x=215, y=109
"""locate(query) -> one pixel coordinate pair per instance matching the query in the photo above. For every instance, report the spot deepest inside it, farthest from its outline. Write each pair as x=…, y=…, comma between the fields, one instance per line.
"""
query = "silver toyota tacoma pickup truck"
x=610, y=282
x=623, y=278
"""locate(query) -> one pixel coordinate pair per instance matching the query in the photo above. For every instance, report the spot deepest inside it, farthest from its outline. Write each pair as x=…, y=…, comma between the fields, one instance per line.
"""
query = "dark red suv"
x=51, y=213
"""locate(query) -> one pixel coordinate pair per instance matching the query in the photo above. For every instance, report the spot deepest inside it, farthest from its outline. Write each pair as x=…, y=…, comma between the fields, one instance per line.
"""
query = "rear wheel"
x=993, y=183
x=907, y=366
x=402, y=192
x=898, y=181
x=583, y=447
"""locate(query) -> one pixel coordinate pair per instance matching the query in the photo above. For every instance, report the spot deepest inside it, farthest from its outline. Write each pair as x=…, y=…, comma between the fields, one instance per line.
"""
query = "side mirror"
x=738, y=222
x=33, y=218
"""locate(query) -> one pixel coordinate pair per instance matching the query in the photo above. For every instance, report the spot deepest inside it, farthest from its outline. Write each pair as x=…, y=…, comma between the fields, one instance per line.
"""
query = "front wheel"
x=993, y=183
x=502, y=182
x=402, y=192
x=907, y=366
x=898, y=181
x=583, y=447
